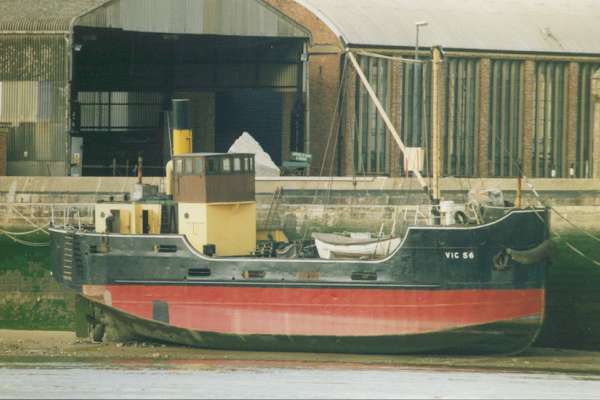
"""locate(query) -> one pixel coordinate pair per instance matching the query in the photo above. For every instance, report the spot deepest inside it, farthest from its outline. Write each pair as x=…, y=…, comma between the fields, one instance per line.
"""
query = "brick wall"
x=324, y=75
x=483, y=167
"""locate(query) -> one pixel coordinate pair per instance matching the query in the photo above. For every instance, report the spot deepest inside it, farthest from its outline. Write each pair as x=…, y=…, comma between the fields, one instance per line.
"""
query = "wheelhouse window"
x=198, y=166
x=226, y=165
x=179, y=166
x=237, y=164
x=212, y=166
x=189, y=166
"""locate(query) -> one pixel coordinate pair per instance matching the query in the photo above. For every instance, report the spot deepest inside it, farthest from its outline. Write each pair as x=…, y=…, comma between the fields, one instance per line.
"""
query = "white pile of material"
x=264, y=166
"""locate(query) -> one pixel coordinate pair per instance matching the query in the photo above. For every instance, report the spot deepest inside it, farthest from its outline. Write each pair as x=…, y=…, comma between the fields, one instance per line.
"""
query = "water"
x=206, y=380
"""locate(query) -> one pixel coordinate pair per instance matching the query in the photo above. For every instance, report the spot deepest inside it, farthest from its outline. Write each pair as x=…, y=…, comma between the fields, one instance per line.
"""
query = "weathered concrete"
x=107, y=185
x=360, y=203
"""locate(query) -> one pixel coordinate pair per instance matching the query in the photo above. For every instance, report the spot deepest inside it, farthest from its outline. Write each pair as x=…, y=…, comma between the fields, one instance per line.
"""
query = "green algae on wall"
x=29, y=297
x=573, y=295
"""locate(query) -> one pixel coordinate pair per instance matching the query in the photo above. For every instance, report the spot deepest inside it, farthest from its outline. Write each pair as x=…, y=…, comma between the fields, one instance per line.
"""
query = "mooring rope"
x=37, y=228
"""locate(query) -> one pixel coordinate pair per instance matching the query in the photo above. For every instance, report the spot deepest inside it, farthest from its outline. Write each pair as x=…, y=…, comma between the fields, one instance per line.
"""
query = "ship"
x=182, y=267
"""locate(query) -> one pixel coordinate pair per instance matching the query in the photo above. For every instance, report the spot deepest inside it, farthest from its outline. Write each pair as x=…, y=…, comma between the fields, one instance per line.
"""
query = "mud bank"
x=55, y=346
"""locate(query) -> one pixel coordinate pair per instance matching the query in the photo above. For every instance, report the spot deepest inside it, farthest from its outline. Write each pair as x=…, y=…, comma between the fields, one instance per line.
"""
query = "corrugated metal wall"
x=33, y=101
x=505, y=127
x=415, y=97
x=461, y=133
x=462, y=110
x=585, y=112
x=413, y=94
x=240, y=75
x=370, y=142
x=549, y=154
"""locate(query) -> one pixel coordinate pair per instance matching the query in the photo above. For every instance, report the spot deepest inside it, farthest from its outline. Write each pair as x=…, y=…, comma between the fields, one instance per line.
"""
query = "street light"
x=416, y=106
x=418, y=25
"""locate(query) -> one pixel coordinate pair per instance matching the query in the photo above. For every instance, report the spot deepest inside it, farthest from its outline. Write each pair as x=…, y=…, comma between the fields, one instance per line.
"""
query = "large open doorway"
x=123, y=84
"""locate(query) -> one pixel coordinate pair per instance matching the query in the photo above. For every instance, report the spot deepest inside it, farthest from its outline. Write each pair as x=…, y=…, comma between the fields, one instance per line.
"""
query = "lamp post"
x=417, y=26
x=416, y=134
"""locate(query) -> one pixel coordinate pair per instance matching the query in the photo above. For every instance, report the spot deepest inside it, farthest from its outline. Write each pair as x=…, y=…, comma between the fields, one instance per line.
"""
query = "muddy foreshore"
x=28, y=347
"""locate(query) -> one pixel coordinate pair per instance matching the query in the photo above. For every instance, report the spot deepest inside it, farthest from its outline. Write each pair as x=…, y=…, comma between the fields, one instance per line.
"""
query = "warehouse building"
x=516, y=86
x=86, y=85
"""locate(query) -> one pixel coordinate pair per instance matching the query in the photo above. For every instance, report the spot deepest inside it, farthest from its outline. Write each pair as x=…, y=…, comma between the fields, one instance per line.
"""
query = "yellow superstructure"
x=127, y=218
x=210, y=199
x=230, y=227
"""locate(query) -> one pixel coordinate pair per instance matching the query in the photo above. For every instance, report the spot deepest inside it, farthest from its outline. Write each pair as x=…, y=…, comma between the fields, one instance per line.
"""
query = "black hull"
x=467, y=266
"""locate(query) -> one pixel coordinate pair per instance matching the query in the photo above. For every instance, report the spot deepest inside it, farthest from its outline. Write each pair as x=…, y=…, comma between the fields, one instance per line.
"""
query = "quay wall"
x=319, y=203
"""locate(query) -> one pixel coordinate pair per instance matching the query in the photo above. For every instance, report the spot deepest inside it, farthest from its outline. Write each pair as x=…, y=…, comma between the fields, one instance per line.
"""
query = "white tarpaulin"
x=264, y=166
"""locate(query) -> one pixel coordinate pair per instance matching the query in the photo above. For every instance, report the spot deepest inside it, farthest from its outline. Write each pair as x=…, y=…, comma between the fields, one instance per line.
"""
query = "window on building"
x=505, y=125
x=237, y=164
x=549, y=155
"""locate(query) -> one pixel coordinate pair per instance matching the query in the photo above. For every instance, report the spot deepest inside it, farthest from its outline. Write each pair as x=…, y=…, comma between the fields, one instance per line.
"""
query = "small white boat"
x=334, y=246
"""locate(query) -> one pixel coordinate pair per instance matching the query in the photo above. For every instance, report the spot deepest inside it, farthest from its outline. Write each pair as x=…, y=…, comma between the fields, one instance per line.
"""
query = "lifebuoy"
x=460, y=218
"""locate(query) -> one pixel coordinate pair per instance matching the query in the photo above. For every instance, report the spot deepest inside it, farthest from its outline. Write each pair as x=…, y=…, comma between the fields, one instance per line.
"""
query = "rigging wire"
x=37, y=228
x=553, y=209
x=27, y=242
x=337, y=116
x=24, y=233
x=392, y=58
x=337, y=112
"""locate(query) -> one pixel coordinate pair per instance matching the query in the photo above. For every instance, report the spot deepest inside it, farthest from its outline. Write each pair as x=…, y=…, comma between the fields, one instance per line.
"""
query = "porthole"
x=186, y=216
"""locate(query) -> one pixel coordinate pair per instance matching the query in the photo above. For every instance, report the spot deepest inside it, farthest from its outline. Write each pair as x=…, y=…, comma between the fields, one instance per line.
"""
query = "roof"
x=493, y=25
x=43, y=15
x=204, y=17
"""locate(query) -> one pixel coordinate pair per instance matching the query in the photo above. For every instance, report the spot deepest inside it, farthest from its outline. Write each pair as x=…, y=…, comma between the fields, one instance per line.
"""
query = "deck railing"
x=43, y=214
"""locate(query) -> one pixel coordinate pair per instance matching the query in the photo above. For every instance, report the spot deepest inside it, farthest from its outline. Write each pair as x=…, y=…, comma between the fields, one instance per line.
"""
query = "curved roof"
x=208, y=17
x=43, y=15
x=563, y=26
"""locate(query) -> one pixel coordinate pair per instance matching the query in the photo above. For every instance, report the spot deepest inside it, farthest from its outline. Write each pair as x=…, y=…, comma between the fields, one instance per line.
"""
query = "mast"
x=436, y=159
x=519, y=180
x=385, y=117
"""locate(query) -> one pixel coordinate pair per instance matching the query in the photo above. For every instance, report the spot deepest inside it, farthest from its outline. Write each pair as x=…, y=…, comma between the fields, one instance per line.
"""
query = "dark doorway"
x=258, y=112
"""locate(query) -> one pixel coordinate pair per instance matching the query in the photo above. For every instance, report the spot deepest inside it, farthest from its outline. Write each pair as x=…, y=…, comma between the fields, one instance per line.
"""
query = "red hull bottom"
x=321, y=311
